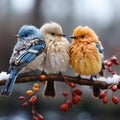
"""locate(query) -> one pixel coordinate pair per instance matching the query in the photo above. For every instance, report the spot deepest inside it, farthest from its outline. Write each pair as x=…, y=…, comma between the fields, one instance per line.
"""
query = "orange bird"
x=86, y=54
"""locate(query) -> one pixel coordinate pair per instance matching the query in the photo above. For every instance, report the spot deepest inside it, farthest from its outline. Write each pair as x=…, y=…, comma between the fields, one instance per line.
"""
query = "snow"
x=114, y=79
x=110, y=79
x=4, y=75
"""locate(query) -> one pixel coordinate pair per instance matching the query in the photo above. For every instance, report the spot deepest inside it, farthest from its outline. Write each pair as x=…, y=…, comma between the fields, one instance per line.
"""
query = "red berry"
x=115, y=99
x=72, y=84
x=64, y=107
x=40, y=117
x=22, y=98
x=114, y=59
x=117, y=62
x=33, y=99
x=35, y=118
x=109, y=63
x=109, y=69
x=105, y=62
x=105, y=100
x=102, y=94
x=25, y=104
x=114, y=88
x=65, y=94
x=76, y=99
x=78, y=92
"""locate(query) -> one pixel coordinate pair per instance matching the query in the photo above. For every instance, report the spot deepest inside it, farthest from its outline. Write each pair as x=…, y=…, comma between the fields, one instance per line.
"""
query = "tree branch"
x=87, y=82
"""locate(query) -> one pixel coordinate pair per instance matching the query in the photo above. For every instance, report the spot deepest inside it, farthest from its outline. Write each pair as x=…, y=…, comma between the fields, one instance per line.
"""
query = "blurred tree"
x=37, y=15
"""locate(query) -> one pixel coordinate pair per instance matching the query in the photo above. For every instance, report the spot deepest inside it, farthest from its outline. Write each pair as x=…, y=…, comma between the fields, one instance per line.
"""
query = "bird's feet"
x=78, y=77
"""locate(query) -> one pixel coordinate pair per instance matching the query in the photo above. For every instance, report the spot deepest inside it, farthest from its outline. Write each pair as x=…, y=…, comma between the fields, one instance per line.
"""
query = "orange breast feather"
x=85, y=59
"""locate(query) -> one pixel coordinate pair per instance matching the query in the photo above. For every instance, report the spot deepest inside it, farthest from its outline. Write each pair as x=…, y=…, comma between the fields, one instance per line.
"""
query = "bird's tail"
x=8, y=87
x=49, y=89
x=95, y=89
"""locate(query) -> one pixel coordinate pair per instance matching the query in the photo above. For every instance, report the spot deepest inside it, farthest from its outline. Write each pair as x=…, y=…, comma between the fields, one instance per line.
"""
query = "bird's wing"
x=99, y=47
x=25, y=52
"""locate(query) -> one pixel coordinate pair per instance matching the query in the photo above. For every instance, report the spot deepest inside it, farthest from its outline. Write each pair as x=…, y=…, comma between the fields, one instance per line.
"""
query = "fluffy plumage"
x=25, y=56
x=86, y=53
x=56, y=53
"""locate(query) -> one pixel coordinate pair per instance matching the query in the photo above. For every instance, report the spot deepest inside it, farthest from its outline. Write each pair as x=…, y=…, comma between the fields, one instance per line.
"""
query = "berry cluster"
x=108, y=64
x=103, y=95
x=75, y=98
x=30, y=100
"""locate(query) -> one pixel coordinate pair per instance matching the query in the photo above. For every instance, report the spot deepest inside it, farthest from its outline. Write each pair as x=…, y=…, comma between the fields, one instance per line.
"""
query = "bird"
x=56, y=58
x=26, y=55
x=86, y=54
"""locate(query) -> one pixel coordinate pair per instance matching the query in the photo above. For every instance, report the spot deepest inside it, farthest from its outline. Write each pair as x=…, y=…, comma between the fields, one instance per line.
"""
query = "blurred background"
x=101, y=15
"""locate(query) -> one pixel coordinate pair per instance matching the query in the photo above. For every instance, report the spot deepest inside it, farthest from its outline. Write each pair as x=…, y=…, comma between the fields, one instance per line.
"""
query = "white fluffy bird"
x=56, y=57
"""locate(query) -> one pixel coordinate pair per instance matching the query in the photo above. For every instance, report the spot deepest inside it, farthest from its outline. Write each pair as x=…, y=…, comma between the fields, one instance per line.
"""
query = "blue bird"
x=29, y=47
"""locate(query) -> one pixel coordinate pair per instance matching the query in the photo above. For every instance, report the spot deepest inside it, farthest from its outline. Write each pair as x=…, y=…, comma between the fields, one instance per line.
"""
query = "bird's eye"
x=25, y=35
x=52, y=33
x=82, y=36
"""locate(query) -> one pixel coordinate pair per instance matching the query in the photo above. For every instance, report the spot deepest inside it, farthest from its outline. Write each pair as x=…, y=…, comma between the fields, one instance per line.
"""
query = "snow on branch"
x=4, y=75
x=101, y=82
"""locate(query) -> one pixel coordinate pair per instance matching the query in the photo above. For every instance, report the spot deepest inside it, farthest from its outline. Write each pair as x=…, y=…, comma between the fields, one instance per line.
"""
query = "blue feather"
x=100, y=48
x=7, y=90
x=29, y=46
x=27, y=56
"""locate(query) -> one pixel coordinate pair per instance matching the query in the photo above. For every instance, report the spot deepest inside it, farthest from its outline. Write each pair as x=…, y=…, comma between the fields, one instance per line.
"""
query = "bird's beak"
x=17, y=36
x=63, y=35
x=73, y=37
